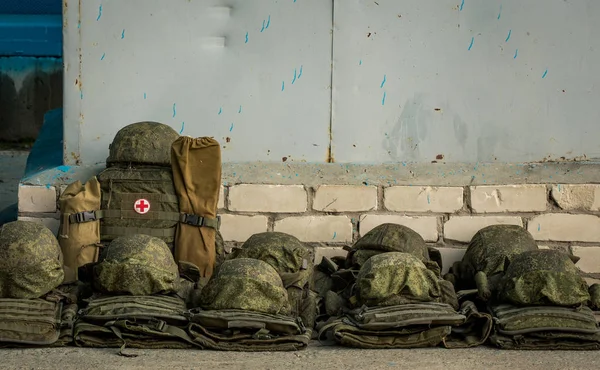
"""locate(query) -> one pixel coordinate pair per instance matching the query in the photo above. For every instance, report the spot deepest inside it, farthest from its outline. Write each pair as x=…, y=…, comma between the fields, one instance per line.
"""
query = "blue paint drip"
x=246, y=37
x=231, y=128
x=300, y=74
x=268, y=22
x=383, y=99
x=294, y=80
x=508, y=37
x=516, y=54
x=539, y=227
x=383, y=82
x=81, y=94
x=174, y=109
x=123, y=34
x=263, y=26
x=545, y=73
x=64, y=168
x=182, y=127
x=428, y=200
x=79, y=24
x=144, y=96
x=99, y=13
x=462, y=4
x=240, y=110
x=360, y=62
x=558, y=187
x=282, y=85
x=472, y=41
x=334, y=234
x=103, y=55
x=220, y=110
x=500, y=12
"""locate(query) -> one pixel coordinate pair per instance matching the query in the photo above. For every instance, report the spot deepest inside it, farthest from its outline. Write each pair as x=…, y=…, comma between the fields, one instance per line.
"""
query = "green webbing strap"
x=119, y=335
x=123, y=230
x=85, y=216
x=151, y=197
x=153, y=215
x=195, y=220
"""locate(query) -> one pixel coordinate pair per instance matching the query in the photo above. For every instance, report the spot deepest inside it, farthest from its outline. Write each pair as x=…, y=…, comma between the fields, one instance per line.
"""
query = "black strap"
x=195, y=220
x=85, y=216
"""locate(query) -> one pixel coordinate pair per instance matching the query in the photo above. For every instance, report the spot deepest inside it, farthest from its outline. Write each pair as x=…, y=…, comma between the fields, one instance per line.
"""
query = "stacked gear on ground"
x=536, y=297
x=396, y=298
x=245, y=307
x=36, y=309
x=140, y=298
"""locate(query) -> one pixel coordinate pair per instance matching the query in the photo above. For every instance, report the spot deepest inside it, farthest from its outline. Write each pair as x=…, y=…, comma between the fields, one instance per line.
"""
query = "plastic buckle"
x=193, y=220
x=85, y=216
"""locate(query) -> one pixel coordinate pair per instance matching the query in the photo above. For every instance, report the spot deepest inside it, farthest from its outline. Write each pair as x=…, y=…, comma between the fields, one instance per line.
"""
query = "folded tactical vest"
x=245, y=307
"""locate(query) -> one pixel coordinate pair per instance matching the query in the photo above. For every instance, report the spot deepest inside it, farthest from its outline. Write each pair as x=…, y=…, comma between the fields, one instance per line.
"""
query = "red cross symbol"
x=141, y=206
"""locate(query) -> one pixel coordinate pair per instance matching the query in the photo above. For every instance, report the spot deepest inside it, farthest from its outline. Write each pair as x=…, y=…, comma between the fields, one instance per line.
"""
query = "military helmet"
x=490, y=250
x=138, y=265
x=245, y=284
x=544, y=277
x=31, y=261
x=387, y=237
x=142, y=142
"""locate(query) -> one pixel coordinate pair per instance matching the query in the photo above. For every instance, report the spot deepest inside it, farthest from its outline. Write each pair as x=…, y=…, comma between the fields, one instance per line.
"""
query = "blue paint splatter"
x=462, y=4
x=383, y=82
x=182, y=127
x=240, y=110
x=268, y=22
x=508, y=37
x=428, y=201
x=263, y=26
x=472, y=41
x=500, y=12
x=103, y=55
x=47, y=186
x=334, y=234
x=81, y=94
x=246, y=37
x=294, y=80
x=360, y=62
x=220, y=110
x=539, y=227
x=79, y=24
x=99, y=13
x=123, y=34
x=300, y=74
x=144, y=96
x=282, y=85
x=516, y=54
x=545, y=73
x=558, y=187
x=231, y=128
x=383, y=99
x=174, y=109
x=64, y=168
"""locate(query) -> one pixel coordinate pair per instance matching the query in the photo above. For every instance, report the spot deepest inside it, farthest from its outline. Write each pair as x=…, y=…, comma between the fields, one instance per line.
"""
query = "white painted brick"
x=449, y=256
x=239, y=228
x=426, y=226
x=345, y=198
x=321, y=252
x=317, y=228
x=423, y=199
x=51, y=223
x=268, y=198
x=590, y=258
x=577, y=197
x=565, y=227
x=221, y=203
x=37, y=198
x=508, y=198
x=462, y=228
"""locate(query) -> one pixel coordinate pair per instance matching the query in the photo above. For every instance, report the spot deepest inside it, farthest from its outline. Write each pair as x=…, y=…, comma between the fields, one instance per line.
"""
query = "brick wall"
x=331, y=216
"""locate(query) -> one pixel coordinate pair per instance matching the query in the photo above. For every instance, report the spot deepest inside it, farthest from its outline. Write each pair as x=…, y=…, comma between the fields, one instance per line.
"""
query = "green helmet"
x=137, y=265
x=390, y=237
x=490, y=250
x=142, y=142
x=245, y=284
x=544, y=277
x=31, y=261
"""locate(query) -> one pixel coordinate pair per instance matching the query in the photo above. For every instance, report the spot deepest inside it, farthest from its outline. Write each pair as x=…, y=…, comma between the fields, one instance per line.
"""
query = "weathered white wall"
x=456, y=85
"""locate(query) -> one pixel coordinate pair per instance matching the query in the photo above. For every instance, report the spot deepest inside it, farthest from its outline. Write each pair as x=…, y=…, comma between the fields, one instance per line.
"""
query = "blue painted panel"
x=31, y=35
x=30, y=7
